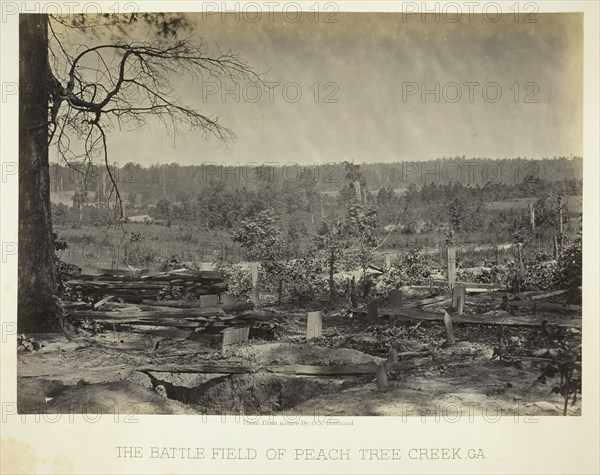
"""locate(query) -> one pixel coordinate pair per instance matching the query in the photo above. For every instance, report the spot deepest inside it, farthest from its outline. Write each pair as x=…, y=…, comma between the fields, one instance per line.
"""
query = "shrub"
x=562, y=347
x=137, y=253
x=239, y=279
x=569, y=267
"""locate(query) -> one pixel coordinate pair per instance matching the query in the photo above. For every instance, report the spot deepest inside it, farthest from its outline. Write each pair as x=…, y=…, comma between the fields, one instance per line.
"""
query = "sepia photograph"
x=414, y=243
x=295, y=225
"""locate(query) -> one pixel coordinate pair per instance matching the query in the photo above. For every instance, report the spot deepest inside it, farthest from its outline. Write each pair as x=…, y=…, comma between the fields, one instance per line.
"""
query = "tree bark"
x=37, y=311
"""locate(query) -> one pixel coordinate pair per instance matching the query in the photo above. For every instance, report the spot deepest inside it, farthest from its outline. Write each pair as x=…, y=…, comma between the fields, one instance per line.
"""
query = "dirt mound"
x=122, y=397
x=291, y=353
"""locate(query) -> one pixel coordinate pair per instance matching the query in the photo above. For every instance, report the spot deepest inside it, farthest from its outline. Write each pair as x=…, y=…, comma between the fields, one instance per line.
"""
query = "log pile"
x=130, y=286
x=131, y=299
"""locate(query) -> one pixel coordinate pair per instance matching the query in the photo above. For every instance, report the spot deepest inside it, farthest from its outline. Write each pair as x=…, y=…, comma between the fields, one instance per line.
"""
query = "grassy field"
x=100, y=246
x=103, y=247
x=574, y=203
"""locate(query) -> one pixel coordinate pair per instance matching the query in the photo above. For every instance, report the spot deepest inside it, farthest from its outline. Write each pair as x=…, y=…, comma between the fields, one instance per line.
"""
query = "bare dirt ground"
x=107, y=372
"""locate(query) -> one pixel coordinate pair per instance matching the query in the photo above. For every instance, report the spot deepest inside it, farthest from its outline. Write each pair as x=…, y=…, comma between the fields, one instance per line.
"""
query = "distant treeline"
x=170, y=181
x=302, y=203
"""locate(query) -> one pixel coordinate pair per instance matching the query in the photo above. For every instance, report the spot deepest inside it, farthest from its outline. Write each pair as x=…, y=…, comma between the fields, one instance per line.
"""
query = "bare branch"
x=124, y=83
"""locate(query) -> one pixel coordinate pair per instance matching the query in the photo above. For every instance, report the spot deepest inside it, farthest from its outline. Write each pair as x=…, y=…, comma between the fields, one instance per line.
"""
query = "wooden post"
x=322, y=207
x=382, y=378
x=353, y=293
x=392, y=356
x=497, y=255
x=388, y=262
x=531, y=216
x=314, y=325
x=255, y=291
x=560, y=215
x=459, y=291
x=449, y=329
x=555, y=240
x=357, y=190
x=395, y=298
x=460, y=305
x=372, y=312
x=455, y=292
x=520, y=255
x=451, y=256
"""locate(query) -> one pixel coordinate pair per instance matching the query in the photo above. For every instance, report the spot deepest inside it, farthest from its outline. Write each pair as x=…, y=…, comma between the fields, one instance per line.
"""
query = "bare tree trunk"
x=37, y=282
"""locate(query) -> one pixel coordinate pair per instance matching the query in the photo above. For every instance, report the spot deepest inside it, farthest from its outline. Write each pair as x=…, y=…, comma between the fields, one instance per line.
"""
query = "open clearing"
x=138, y=369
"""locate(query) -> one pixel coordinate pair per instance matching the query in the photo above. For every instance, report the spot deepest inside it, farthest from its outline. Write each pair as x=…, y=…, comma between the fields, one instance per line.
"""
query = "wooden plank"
x=137, y=272
x=476, y=285
x=545, y=305
x=136, y=313
x=166, y=273
x=115, y=285
x=233, y=336
x=99, y=304
x=227, y=307
x=60, y=371
x=302, y=370
x=428, y=301
x=153, y=323
x=483, y=290
x=508, y=320
x=438, y=303
x=548, y=294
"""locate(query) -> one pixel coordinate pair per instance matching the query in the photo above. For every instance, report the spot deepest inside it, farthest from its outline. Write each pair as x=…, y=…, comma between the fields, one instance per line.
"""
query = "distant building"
x=142, y=218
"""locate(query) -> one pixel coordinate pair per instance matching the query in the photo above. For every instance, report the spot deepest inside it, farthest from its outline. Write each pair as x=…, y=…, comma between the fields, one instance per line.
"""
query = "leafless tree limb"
x=124, y=83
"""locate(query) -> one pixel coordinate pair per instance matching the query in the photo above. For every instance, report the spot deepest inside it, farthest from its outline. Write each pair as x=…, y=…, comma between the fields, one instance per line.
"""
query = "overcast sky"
x=367, y=64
